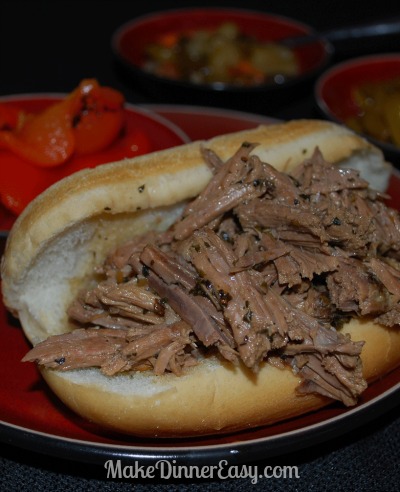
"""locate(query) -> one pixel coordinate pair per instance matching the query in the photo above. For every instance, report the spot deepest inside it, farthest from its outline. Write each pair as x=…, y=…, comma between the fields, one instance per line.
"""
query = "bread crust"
x=69, y=229
x=213, y=397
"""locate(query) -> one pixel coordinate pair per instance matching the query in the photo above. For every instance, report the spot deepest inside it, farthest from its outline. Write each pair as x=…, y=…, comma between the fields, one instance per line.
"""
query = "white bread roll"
x=210, y=398
x=68, y=230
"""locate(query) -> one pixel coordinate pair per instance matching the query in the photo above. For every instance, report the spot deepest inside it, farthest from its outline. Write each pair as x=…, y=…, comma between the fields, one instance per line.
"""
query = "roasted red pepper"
x=99, y=121
x=38, y=148
x=86, y=121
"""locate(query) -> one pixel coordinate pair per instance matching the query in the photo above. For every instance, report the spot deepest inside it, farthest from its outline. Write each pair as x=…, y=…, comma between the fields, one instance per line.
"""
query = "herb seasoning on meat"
x=256, y=268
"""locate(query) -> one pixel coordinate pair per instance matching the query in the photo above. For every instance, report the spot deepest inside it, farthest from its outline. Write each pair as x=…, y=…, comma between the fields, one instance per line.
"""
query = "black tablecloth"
x=50, y=47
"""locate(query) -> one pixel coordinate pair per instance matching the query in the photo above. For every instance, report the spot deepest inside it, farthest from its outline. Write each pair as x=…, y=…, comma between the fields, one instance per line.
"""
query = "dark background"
x=51, y=46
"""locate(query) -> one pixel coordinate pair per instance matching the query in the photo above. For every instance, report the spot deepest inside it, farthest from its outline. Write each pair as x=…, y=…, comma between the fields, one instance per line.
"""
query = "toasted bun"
x=65, y=232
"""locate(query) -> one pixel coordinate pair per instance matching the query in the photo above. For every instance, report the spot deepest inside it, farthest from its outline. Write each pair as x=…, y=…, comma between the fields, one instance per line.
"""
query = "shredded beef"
x=257, y=269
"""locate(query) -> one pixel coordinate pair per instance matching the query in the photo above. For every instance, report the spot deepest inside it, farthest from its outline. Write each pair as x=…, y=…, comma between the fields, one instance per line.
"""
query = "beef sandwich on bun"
x=215, y=286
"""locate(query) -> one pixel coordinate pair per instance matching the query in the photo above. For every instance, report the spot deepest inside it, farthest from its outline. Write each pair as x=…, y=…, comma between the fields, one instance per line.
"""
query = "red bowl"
x=334, y=89
x=130, y=40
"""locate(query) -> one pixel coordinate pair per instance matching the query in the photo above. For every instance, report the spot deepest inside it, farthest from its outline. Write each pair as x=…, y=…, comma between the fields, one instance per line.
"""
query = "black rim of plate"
x=234, y=453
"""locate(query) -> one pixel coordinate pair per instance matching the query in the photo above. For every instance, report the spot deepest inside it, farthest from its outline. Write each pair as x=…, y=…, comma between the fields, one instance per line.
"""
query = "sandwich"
x=215, y=286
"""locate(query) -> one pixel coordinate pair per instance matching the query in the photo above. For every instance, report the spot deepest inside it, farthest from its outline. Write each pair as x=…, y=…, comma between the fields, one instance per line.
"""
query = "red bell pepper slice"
x=86, y=121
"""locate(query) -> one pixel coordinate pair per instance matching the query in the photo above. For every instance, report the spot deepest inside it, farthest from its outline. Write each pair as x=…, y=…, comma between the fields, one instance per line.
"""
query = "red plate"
x=32, y=417
x=144, y=132
x=201, y=123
